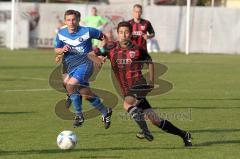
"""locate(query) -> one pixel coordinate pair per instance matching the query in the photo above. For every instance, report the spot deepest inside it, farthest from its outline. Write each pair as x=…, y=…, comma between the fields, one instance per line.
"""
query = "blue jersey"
x=80, y=43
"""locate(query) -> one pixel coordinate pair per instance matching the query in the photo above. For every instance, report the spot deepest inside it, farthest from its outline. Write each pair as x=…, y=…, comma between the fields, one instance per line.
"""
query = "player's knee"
x=130, y=100
x=65, y=78
x=70, y=88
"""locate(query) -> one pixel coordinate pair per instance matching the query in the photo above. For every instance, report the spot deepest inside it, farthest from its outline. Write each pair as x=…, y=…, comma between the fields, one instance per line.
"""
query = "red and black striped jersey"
x=139, y=29
x=127, y=64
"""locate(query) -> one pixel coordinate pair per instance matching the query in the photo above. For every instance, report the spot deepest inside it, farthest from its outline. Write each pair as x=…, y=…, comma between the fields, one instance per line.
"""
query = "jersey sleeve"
x=58, y=42
x=103, y=20
x=95, y=33
x=150, y=29
x=144, y=56
x=105, y=51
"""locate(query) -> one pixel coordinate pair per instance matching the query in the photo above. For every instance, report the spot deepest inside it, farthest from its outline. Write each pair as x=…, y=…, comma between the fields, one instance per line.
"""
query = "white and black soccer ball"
x=66, y=140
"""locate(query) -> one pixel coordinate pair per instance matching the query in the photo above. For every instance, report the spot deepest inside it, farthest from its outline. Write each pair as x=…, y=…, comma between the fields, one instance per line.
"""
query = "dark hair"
x=72, y=12
x=124, y=24
x=78, y=15
x=138, y=6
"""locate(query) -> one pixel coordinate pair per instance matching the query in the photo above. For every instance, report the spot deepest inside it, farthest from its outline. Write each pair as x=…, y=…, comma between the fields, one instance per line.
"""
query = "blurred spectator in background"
x=95, y=21
x=142, y=30
x=110, y=36
x=60, y=24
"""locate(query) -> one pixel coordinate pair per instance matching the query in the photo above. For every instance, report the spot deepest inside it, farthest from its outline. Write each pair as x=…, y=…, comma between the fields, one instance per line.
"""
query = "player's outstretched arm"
x=148, y=36
x=59, y=52
x=97, y=61
x=146, y=58
x=58, y=59
x=58, y=55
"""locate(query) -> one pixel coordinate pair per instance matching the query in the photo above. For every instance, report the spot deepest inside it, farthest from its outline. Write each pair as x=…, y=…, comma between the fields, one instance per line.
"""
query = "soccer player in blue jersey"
x=74, y=44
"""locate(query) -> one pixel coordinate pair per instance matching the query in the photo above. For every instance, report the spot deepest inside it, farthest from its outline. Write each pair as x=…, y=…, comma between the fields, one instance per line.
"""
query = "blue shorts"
x=82, y=73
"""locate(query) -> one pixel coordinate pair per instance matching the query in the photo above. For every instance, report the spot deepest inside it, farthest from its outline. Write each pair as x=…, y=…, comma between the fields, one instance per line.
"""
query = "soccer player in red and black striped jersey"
x=141, y=28
x=127, y=61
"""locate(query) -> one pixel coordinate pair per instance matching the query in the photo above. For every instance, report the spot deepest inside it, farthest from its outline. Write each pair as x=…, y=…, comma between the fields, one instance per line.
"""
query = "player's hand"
x=145, y=36
x=98, y=63
x=58, y=59
x=66, y=48
x=102, y=58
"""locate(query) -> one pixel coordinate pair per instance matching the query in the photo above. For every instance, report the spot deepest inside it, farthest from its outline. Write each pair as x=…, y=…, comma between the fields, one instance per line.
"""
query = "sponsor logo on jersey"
x=77, y=49
x=124, y=61
x=132, y=54
x=80, y=39
x=137, y=33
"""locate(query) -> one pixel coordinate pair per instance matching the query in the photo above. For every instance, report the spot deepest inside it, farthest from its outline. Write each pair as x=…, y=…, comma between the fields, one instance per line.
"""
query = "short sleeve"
x=103, y=20
x=105, y=50
x=95, y=33
x=150, y=29
x=58, y=42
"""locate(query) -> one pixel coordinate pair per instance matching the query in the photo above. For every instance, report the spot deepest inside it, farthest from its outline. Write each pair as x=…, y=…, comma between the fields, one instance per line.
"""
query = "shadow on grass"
x=15, y=113
x=160, y=108
x=31, y=67
x=210, y=143
x=90, y=150
x=198, y=99
x=160, y=131
x=214, y=130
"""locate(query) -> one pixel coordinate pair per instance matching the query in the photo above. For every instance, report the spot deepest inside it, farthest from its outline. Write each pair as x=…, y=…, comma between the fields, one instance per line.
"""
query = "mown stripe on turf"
x=26, y=90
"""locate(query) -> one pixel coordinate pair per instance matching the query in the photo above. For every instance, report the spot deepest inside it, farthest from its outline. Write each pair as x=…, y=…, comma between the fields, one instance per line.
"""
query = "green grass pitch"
x=205, y=100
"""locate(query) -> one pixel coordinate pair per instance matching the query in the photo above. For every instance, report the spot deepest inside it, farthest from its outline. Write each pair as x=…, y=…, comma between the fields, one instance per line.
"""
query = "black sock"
x=138, y=117
x=170, y=128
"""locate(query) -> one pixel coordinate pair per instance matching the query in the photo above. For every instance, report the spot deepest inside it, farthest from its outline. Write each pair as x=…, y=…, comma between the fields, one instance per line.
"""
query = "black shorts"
x=143, y=104
x=139, y=90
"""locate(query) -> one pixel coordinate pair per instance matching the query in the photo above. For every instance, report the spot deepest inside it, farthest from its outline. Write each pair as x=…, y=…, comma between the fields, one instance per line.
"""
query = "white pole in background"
x=187, y=26
x=211, y=27
x=12, y=25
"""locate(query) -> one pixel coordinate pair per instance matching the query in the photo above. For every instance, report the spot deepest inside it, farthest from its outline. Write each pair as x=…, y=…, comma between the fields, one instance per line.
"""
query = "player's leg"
x=96, y=102
x=65, y=78
x=163, y=124
x=72, y=89
x=136, y=113
x=83, y=74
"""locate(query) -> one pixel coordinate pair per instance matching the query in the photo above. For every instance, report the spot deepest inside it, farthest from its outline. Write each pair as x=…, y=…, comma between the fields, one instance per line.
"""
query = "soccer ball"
x=66, y=140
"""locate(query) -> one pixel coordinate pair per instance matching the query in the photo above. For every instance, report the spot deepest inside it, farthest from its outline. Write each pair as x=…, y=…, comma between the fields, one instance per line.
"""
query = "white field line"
x=33, y=78
x=27, y=78
x=26, y=90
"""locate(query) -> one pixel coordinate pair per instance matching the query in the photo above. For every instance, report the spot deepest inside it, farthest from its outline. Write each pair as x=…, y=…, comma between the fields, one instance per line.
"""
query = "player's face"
x=71, y=21
x=124, y=34
x=94, y=11
x=137, y=13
